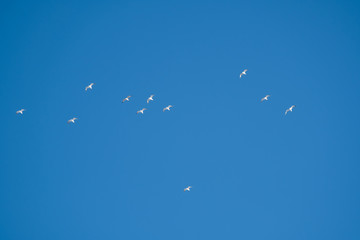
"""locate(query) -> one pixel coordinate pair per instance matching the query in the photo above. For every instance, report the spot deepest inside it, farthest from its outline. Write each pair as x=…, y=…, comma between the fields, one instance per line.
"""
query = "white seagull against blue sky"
x=141, y=111
x=150, y=98
x=89, y=87
x=243, y=73
x=20, y=111
x=167, y=108
x=187, y=189
x=126, y=99
x=289, y=109
x=265, y=98
x=72, y=120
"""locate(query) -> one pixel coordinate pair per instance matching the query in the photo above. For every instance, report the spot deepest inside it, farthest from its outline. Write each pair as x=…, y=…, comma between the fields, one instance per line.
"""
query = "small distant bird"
x=243, y=73
x=150, y=99
x=187, y=189
x=289, y=109
x=126, y=99
x=89, y=87
x=167, y=108
x=20, y=111
x=72, y=120
x=141, y=111
x=265, y=98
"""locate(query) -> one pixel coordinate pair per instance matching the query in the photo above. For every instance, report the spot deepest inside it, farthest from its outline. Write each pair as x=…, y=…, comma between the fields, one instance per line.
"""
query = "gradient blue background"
x=256, y=174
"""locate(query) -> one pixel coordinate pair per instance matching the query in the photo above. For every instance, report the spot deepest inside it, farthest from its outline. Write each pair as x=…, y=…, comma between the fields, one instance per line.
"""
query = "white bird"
x=141, y=111
x=72, y=120
x=187, y=189
x=243, y=73
x=289, y=109
x=126, y=99
x=150, y=98
x=20, y=111
x=89, y=87
x=167, y=108
x=265, y=98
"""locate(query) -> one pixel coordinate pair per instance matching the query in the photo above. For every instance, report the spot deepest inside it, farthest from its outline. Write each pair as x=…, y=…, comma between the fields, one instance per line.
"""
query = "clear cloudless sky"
x=256, y=174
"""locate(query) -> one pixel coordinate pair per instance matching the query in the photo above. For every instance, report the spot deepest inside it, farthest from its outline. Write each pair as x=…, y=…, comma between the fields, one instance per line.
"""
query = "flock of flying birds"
x=127, y=99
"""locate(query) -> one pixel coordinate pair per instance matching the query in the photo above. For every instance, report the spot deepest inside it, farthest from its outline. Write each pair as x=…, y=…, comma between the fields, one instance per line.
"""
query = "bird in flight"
x=289, y=109
x=167, y=108
x=243, y=73
x=187, y=189
x=20, y=111
x=141, y=111
x=89, y=87
x=126, y=99
x=265, y=98
x=72, y=120
x=150, y=98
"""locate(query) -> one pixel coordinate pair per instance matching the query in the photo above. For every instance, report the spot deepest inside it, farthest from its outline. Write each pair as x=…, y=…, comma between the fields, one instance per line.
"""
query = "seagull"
x=150, y=99
x=167, y=108
x=20, y=111
x=72, y=120
x=243, y=73
x=90, y=86
x=126, y=99
x=187, y=189
x=265, y=98
x=141, y=111
x=289, y=109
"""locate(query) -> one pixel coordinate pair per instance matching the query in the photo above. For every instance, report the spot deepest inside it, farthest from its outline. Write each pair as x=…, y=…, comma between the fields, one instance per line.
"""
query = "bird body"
x=167, y=108
x=243, y=73
x=126, y=99
x=265, y=98
x=141, y=111
x=20, y=111
x=150, y=99
x=72, y=120
x=89, y=87
x=289, y=109
x=187, y=189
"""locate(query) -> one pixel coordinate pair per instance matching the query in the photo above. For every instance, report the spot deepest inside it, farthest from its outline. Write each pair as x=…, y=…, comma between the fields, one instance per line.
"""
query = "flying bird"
x=72, y=120
x=20, y=111
x=89, y=87
x=187, y=189
x=265, y=98
x=150, y=99
x=141, y=111
x=126, y=99
x=167, y=108
x=243, y=73
x=289, y=109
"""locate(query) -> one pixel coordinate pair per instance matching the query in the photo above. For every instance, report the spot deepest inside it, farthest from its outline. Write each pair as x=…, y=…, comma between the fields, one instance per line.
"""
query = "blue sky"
x=256, y=174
